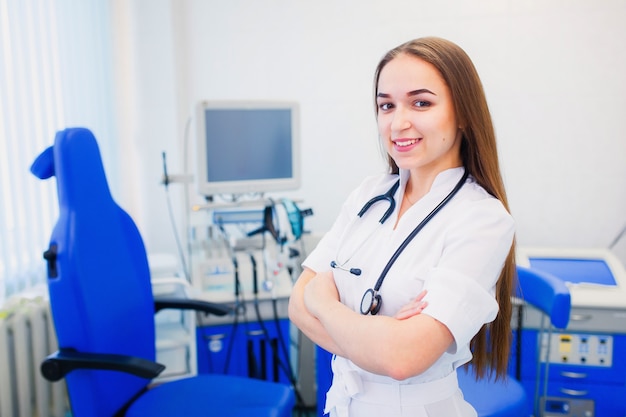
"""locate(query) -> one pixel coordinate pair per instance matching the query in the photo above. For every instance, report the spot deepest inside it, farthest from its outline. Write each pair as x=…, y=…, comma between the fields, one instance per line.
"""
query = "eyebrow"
x=409, y=94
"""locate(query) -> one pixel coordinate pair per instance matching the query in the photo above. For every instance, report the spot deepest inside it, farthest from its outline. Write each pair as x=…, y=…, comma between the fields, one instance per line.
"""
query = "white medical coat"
x=458, y=257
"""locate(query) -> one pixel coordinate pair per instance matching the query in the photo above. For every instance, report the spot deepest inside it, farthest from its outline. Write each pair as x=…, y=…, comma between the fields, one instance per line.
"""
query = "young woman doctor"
x=401, y=321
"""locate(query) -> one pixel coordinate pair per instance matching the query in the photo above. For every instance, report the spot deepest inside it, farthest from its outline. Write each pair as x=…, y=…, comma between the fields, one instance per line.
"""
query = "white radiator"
x=26, y=337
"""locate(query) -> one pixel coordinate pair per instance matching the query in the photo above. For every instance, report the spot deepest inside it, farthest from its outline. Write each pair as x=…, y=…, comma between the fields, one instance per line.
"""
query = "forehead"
x=407, y=73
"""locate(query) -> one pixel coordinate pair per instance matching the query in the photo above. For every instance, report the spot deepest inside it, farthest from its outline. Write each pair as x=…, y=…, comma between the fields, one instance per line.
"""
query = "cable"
x=173, y=221
x=281, y=339
x=256, y=368
x=286, y=368
x=279, y=332
x=185, y=262
x=240, y=307
x=618, y=237
x=186, y=192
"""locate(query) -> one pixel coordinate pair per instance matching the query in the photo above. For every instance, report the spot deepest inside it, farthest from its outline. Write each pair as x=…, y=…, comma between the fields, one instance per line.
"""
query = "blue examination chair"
x=103, y=307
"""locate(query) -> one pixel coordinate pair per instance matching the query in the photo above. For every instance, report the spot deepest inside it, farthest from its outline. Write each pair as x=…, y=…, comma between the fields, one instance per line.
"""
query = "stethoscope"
x=388, y=197
x=372, y=301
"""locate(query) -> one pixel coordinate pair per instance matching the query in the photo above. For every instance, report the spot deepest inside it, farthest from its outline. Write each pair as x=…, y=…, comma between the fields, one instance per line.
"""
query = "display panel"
x=247, y=147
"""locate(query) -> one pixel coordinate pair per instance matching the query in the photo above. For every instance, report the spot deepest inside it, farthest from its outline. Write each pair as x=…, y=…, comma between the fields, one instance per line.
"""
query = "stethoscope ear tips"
x=353, y=271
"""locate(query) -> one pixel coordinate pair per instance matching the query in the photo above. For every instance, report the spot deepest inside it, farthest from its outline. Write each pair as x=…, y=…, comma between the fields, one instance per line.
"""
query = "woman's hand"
x=305, y=320
x=413, y=308
x=319, y=292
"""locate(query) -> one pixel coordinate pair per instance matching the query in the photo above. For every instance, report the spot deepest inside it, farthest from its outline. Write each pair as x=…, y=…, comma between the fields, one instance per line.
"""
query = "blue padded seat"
x=223, y=395
x=103, y=307
x=502, y=398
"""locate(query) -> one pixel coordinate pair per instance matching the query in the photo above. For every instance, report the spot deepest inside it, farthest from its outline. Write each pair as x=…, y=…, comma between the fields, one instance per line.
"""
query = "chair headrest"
x=75, y=150
x=43, y=166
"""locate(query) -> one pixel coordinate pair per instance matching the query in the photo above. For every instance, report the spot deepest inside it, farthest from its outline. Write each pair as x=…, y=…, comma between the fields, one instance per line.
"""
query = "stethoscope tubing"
x=388, y=196
x=417, y=229
x=372, y=301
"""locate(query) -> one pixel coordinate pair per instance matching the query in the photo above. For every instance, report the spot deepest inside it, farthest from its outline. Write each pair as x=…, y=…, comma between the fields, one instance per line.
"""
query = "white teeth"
x=406, y=142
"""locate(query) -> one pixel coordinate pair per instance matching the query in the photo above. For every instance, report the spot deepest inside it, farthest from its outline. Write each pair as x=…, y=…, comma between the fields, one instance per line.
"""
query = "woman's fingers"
x=413, y=308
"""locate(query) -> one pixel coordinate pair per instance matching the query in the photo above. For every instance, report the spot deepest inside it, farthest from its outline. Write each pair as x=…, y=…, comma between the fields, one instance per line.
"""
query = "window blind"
x=55, y=72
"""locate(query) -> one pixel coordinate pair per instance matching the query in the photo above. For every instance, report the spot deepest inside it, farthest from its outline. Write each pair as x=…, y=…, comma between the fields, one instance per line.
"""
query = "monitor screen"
x=247, y=147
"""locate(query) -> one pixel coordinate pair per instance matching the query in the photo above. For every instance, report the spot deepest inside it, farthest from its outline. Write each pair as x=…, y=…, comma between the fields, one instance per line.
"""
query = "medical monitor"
x=247, y=147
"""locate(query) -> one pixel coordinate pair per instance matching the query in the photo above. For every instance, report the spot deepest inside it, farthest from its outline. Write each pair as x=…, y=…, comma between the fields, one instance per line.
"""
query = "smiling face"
x=416, y=117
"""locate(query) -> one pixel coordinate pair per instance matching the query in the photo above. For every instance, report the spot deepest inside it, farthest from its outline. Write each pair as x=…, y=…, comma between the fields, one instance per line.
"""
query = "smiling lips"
x=404, y=145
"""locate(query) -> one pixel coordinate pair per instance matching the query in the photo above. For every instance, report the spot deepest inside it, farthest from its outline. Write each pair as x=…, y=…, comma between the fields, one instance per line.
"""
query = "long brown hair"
x=491, y=346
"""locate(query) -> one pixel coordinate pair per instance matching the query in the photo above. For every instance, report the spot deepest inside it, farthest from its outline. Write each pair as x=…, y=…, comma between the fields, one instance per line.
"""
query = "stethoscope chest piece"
x=371, y=302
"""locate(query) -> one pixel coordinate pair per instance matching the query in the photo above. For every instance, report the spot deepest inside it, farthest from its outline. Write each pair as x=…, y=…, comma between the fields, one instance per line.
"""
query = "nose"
x=400, y=119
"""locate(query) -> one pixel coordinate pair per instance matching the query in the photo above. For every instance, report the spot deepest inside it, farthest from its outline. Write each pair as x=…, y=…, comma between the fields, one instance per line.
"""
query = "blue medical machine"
x=582, y=368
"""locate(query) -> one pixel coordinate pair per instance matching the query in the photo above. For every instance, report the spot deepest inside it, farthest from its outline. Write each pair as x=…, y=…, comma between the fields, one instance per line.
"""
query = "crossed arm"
x=400, y=347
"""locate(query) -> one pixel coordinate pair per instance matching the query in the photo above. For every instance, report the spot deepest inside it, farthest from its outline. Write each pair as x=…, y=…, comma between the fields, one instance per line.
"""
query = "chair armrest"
x=547, y=293
x=161, y=303
x=64, y=361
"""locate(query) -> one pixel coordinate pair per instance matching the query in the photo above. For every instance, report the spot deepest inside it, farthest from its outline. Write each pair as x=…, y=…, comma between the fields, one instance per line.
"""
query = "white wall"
x=553, y=72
